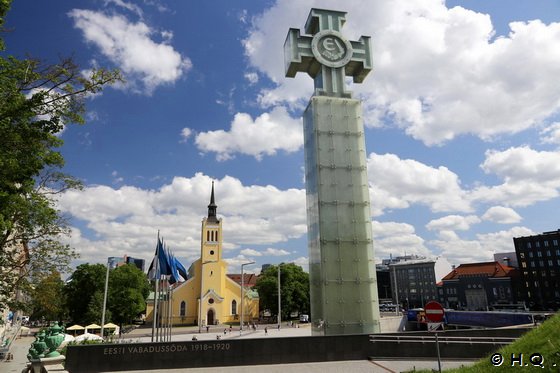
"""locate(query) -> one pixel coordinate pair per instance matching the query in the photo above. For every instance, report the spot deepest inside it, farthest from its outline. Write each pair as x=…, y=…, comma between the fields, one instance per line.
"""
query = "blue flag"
x=164, y=267
x=173, y=266
x=181, y=269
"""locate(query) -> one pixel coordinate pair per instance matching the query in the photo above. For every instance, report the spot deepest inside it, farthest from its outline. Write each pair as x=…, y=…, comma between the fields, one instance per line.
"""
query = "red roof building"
x=480, y=286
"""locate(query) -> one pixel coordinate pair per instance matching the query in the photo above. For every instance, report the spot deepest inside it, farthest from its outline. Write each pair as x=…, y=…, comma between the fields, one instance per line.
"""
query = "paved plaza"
x=21, y=345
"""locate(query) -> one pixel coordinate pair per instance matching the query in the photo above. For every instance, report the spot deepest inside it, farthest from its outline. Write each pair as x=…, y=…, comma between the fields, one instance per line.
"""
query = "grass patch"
x=539, y=349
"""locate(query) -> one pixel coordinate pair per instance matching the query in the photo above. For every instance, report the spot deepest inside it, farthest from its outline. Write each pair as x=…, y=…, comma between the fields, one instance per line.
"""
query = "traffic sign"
x=434, y=326
x=434, y=312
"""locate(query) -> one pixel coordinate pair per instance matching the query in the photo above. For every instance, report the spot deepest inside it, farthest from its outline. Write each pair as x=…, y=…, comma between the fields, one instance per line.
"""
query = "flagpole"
x=171, y=316
x=169, y=308
x=154, y=321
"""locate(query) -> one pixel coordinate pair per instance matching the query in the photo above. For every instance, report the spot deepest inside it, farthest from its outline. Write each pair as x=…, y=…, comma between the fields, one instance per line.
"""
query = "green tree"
x=83, y=291
x=37, y=100
x=47, y=297
x=294, y=289
x=128, y=289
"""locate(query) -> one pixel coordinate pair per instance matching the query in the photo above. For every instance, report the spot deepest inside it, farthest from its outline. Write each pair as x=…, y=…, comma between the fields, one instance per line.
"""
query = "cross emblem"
x=326, y=55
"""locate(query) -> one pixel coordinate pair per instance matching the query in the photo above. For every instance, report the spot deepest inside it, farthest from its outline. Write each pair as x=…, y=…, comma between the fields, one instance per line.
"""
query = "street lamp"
x=242, y=295
x=105, y=300
x=201, y=290
x=279, y=299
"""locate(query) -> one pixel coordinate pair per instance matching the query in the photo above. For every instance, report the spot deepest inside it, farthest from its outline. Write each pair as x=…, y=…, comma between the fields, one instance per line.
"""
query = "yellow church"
x=210, y=296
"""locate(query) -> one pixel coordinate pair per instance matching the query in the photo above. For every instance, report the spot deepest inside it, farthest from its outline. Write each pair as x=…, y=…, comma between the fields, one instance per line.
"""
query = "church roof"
x=249, y=280
x=212, y=207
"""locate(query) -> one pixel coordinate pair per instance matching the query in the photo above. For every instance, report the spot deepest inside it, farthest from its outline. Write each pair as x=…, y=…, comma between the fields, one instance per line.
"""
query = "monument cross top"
x=327, y=56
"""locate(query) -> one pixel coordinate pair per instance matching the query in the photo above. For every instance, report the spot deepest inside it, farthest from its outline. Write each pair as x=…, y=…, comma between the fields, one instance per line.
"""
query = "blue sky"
x=461, y=113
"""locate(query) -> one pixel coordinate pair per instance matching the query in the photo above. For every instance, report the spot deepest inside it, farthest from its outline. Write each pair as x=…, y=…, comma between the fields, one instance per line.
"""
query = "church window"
x=211, y=300
x=183, y=308
x=208, y=236
x=211, y=252
x=234, y=307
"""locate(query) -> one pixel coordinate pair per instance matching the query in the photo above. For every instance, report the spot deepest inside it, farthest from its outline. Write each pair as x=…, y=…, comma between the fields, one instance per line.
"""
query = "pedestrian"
x=278, y=326
x=230, y=328
x=225, y=331
x=218, y=336
x=207, y=329
x=266, y=330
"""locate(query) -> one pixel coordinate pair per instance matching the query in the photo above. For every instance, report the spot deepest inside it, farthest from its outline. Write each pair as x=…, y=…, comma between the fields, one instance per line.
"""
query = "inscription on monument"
x=330, y=48
x=166, y=348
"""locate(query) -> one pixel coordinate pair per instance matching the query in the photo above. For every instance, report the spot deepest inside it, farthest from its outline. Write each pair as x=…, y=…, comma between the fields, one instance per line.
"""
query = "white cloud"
x=144, y=62
x=303, y=262
x=502, y=215
x=551, y=134
x=252, y=77
x=458, y=250
x=116, y=178
x=250, y=252
x=529, y=176
x=126, y=5
x=185, y=134
x=265, y=135
x=276, y=252
x=391, y=238
x=502, y=241
x=453, y=222
x=439, y=72
x=127, y=219
x=234, y=265
x=398, y=183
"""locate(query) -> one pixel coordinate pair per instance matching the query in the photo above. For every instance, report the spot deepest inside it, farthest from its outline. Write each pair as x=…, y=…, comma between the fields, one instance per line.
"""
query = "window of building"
x=530, y=254
x=548, y=253
x=558, y=252
x=183, y=309
x=550, y=262
x=502, y=293
x=233, y=307
x=539, y=254
x=532, y=264
x=537, y=244
x=545, y=243
x=207, y=235
x=555, y=242
x=541, y=263
x=528, y=245
x=522, y=255
x=524, y=264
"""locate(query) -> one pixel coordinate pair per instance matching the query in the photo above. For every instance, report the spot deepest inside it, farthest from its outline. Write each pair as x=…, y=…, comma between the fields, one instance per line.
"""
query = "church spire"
x=212, y=207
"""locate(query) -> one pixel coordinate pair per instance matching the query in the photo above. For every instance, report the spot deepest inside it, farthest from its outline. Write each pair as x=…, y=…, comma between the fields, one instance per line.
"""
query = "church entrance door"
x=210, y=317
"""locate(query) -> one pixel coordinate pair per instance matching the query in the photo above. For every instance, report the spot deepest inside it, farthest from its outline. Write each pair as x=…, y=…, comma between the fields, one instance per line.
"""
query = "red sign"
x=434, y=311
